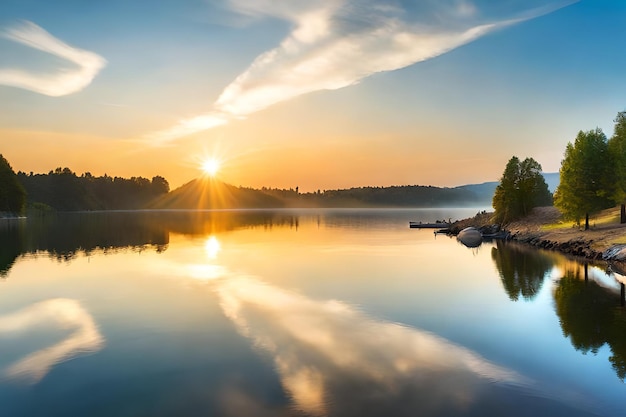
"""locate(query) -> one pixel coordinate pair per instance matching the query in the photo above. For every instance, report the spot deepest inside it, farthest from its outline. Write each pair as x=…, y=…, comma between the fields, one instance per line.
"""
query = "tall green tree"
x=522, y=187
x=587, y=184
x=12, y=194
x=617, y=149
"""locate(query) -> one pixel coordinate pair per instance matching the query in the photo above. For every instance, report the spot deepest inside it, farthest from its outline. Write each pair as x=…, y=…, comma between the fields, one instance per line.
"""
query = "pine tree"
x=586, y=185
x=617, y=149
x=522, y=187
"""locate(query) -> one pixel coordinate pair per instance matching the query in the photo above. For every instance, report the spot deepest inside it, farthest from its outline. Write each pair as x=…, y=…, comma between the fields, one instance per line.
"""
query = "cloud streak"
x=62, y=82
x=338, y=43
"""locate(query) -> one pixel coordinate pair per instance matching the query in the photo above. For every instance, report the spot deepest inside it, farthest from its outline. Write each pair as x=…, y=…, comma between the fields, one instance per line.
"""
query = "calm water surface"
x=298, y=313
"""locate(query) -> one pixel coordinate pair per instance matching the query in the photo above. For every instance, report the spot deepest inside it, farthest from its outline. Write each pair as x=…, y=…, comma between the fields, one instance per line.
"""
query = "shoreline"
x=544, y=228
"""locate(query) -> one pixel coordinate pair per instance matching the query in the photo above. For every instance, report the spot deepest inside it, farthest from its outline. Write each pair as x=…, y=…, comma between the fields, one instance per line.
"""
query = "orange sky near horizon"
x=316, y=95
x=302, y=144
x=326, y=165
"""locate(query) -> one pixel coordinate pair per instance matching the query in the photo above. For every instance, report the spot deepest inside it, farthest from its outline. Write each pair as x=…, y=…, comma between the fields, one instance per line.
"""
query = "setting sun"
x=211, y=166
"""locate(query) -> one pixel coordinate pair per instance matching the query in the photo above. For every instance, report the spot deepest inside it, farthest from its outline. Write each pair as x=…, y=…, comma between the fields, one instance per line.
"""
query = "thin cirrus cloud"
x=55, y=83
x=337, y=43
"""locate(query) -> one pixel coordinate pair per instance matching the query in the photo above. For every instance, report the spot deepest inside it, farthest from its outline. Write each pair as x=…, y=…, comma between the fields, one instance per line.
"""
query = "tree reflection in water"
x=65, y=236
x=590, y=316
x=522, y=270
x=9, y=234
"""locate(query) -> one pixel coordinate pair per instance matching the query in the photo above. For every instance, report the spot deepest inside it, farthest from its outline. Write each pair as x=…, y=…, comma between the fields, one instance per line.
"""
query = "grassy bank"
x=545, y=228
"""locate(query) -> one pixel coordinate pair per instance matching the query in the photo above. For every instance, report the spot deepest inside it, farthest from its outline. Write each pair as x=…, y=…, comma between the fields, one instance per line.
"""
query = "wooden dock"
x=437, y=225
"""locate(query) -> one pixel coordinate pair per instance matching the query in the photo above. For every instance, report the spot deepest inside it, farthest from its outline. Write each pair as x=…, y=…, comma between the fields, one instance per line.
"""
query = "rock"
x=470, y=237
x=615, y=253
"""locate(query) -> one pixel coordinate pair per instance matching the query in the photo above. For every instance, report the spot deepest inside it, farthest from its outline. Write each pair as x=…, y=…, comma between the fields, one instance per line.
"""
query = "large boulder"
x=470, y=237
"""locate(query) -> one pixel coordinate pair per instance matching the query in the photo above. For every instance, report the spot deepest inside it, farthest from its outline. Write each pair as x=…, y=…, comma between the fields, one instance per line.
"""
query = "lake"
x=298, y=313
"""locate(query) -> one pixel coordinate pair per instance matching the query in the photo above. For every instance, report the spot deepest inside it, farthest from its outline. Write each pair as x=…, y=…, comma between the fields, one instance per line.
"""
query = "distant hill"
x=397, y=196
x=213, y=194
x=552, y=179
x=482, y=192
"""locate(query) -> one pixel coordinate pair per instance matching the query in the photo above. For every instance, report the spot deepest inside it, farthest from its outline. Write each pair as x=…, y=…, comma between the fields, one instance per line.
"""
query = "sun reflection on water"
x=212, y=247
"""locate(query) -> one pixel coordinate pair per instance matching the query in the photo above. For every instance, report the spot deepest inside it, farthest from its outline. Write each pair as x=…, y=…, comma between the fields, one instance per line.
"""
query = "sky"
x=310, y=94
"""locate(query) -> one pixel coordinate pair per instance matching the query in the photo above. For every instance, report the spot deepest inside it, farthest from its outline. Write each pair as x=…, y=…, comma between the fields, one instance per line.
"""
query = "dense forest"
x=394, y=196
x=12, y=194
x=63, y=190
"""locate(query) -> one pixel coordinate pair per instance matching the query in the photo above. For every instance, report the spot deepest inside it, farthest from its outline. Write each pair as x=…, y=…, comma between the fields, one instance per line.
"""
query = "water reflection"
x=522, y=269
x=590, y=317
x=10, y=249
x=587, y=301
x=330, y=358
x=212, y=247
x=61, y=313
x=65, y=236
x=334, y=360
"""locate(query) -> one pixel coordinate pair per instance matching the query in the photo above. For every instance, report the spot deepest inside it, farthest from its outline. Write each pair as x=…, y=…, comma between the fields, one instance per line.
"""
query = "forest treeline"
x=393, y=196
x=64, y=190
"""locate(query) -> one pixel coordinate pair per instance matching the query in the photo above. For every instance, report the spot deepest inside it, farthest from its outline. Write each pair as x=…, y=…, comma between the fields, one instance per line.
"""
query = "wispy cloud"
x=337, y=43
x=63, y=81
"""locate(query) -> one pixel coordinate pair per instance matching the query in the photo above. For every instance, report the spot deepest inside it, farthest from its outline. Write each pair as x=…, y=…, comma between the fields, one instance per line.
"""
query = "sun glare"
x=212, y=247
x=211, y=166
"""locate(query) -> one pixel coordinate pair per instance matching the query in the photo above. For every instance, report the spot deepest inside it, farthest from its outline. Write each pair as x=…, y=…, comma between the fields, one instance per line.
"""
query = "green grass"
x=557, y=225
x=606, y=217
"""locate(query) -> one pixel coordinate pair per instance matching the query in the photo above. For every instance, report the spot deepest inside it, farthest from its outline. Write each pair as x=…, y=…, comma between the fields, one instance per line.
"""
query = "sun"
x=211, y=167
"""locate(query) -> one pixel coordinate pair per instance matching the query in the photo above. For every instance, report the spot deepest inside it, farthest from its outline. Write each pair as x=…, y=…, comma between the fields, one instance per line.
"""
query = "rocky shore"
x=544, y=228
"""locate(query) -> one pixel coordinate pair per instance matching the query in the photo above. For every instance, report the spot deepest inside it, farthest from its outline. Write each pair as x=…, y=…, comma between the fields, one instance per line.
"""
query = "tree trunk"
x=586, y=221
x=622, y=212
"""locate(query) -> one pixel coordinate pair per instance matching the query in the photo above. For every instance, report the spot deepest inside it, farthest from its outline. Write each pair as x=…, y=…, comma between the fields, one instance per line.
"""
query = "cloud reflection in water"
x=332, y=358
x=63, y=313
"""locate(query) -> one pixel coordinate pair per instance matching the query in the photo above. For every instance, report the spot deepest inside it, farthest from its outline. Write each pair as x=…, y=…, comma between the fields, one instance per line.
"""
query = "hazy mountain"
x=552, y=179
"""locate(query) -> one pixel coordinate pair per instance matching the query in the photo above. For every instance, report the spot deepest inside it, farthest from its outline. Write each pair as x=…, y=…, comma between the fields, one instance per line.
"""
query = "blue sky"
x=319, y=94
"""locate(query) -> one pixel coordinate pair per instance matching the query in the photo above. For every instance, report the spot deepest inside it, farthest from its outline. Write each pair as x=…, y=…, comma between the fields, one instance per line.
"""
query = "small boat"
x=420, y=225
